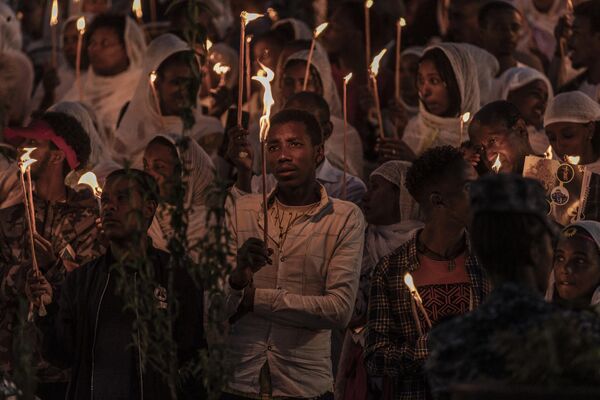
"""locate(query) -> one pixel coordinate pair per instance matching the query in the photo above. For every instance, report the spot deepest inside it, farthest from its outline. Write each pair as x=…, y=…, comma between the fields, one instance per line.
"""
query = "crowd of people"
x=387, y=238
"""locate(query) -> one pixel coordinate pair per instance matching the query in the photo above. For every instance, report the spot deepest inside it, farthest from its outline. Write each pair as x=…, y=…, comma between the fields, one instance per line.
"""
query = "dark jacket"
x=70, y=327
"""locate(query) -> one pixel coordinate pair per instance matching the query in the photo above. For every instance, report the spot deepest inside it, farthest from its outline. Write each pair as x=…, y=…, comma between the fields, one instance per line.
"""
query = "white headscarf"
x=321, y=63
x=517, y=77
x=198, y=175
x=142, y=121
x=381, y=240
x=471, y=66
x=108, y=94
x=301, y=30
x=16, y=84
x=10, y=29
x=100, y=161
x=574, y=107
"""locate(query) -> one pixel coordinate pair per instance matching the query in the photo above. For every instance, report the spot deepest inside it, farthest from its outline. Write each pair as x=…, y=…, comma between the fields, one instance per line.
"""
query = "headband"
x=41, y=130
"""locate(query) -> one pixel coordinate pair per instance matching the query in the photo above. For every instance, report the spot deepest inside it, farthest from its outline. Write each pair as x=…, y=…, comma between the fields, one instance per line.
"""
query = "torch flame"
x=153, y=77
x=25, y=160
x=81, y=25
x=466, y=116
x=89, y=179
x=265, y=78
x=54, y=13
x=573, y=159
x=249, y=38
x=347, y=78
x=369, y=3
x=408, y=281
x=249, y=17
x=402, y=22
x=548, y=153
x=319, y=29
x=221, y=69
x=374, y=69
x=136, y=7
x=497, y=164
x=209, y=44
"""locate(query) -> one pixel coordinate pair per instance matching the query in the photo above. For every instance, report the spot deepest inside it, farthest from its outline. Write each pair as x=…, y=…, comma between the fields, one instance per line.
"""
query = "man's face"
x=381, y=202
x=161, y=162
x=500, y=34
x=454, y=192
x=531, y=100
x=293, y=80
x=583, y=44
x=176, y=87
x=463, y=25
x=291, y=156
x=125, y=214
x=496, y=140
x=106, y=52
x=44, y=154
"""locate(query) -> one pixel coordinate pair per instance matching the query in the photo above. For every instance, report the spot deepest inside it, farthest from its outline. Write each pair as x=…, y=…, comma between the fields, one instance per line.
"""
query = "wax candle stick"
x=346, y=80
x=153, y=77
x=368, y=5
x=136, y=7
x=399, y=25
x=318, y=30
x=408, y=281
x=463, y=120
x=81, y=30
x=53, y=33
x=245, y=19
x=248, y=70
x=373, y=71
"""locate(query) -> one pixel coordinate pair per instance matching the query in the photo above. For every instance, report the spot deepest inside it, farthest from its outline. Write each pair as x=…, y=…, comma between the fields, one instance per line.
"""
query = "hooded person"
x=186, y=163
x=572, y=124
x=529, y=90
x=142, y=120
x=299, y=29
x=116, y=47
x=451, y=81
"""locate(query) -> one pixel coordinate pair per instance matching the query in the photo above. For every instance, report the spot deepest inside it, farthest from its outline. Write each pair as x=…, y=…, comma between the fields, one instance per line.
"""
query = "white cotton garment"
x=300, y=29
x=575, y=107
x=142, y=121
x=517, y=77
x=108, y=94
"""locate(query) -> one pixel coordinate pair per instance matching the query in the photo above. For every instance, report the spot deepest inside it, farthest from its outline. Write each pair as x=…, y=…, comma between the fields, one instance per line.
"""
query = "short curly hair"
x=73, y=133
x=431, y=168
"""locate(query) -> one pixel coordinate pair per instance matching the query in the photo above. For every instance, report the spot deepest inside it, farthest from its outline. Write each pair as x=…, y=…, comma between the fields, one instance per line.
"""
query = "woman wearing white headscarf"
x=450, y=81
x=529, y=90
x=107, y=88
x=392, y=217
x=572, y=124
x=142, y=120
x=300, y=30
x=187, y=163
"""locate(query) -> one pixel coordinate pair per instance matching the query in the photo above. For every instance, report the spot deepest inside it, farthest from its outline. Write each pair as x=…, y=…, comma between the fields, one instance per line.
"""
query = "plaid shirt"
x=394, y=347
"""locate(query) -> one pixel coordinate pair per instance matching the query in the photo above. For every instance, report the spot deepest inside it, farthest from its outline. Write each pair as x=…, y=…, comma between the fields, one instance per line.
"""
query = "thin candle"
x=248, y=70
x=153, y=11
x=81, y=30
x=90, y=179
x=25, y=162
x=245, y=19
x=53, y=25
x=497, y=164
x=264, y=77
x=318, y=30
x=399, y=25
x=408, y=281
x=368, y=5
x=136, y=8
x=153, y=76
x=346, y=80
x=373, y=71
x=463, y=120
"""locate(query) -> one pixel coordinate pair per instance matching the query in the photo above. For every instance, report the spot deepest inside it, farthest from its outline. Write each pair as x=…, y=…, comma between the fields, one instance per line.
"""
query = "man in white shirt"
x=284, y=297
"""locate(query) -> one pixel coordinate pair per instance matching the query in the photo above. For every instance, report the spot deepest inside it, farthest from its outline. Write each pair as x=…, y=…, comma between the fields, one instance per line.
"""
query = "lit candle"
x=408, y=281
x=368, y=5
x=221, y=70
x=264, y=77
x=574, y=160
x=401, y=23
x=152, y=78
x=497, y=164
x=136, y=7
x=548, y=153
x=81, y=30
x=245, y=19
x=53, y=25
x=373, y=71
x=248, y=70
x=346, y=80
x=463, y=120
x=89, y=179
x=318, y=30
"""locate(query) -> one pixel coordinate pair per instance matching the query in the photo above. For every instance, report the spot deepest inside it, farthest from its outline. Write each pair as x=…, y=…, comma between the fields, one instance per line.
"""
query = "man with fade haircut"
x=443, y=268
x=284, y=297
x=499, y=132
x=65, y=232
x=91, y=321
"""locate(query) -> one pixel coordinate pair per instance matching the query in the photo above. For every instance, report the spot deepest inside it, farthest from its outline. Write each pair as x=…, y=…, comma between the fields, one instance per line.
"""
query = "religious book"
x=590, y=194
x=562, y=182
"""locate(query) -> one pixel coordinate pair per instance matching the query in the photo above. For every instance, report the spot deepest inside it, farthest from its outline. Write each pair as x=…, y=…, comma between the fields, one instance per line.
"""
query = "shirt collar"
x=327, y=173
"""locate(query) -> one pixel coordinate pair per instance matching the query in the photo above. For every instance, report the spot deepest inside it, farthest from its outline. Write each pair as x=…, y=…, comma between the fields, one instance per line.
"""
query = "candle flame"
x=573, y=159
x=81, y=25
x=153, y=77
x=249, y=38
x=319, y=29
x=548, y=153
x=209, y=44
x=497, y=164
x=54, y=13
x=249, y=17
x=136, y=7
x=264, y=78
x=408, y=281
x=402, y=22
x=221, y=69
x=466, y=116
x=374, y=69
x=347, y=78
x=89, y=179
x=369, y=3
x=25, y=160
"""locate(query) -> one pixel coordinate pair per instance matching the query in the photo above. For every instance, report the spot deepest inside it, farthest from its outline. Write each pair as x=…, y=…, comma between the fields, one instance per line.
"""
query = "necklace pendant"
x=452, y=265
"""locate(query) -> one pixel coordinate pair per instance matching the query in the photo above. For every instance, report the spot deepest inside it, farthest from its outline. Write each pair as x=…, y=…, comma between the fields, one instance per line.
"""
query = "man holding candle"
x=285, y=297
x=446, y=274
x=66, y=233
